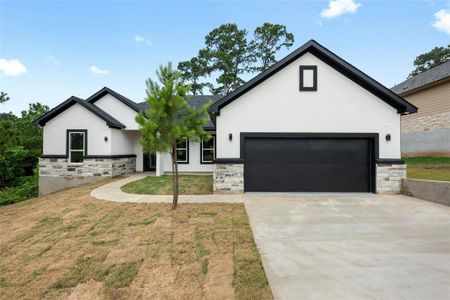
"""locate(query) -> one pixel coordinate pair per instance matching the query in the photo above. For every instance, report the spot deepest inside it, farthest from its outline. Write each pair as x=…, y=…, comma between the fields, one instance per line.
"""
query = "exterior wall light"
x=106, y=138
x=230, y=136
x=388, y=137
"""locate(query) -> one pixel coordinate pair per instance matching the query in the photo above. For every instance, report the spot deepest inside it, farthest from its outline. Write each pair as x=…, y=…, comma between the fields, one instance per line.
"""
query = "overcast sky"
x=50, y=51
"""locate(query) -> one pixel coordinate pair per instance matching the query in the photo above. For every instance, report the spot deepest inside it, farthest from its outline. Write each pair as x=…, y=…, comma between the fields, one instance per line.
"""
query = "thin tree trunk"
x=174, y=177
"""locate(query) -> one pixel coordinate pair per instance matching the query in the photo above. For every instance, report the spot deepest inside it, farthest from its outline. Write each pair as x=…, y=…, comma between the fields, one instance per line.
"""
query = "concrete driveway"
x=352, y=247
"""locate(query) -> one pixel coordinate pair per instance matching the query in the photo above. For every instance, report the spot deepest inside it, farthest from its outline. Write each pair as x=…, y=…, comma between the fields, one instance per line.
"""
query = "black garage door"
x=308, y=164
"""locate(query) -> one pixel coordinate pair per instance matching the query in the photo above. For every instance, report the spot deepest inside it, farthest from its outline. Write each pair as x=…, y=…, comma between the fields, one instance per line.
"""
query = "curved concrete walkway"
x=112, y=192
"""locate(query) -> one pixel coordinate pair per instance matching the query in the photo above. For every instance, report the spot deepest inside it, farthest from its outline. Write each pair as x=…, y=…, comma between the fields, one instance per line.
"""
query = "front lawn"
x=162, y=185
x=69, y=244
x=430, y=168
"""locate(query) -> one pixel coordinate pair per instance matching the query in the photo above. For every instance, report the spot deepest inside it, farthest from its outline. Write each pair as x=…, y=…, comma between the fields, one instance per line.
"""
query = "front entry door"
x=149, y=162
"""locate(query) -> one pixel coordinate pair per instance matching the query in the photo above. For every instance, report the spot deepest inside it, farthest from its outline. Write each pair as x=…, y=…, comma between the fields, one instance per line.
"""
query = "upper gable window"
x=308, y=78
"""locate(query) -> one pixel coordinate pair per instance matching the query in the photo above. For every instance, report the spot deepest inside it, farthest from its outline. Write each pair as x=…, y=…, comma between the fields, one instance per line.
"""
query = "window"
x=77, y=141
x=308, y=78
x=207, y=151
x=183, y=151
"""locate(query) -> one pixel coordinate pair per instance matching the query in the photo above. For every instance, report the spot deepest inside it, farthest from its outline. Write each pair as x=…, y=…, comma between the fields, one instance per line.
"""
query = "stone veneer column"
x=389, y=178
x=229, y=178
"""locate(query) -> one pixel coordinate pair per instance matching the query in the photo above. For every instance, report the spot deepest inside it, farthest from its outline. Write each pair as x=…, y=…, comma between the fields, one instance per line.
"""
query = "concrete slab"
x=352, y=247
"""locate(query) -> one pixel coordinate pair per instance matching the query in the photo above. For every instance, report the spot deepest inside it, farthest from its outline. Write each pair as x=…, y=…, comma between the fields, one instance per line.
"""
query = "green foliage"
x=268, y=40
x=170, y=117
x=431, y=59
x=20, y=144
x=3, y=97
x=427, y=160
x=191, y=71
x=228, y=55
x=25, y=188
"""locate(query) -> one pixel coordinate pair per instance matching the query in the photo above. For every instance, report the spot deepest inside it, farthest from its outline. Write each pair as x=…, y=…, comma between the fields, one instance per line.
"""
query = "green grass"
x=429, y=168
x=162, y=185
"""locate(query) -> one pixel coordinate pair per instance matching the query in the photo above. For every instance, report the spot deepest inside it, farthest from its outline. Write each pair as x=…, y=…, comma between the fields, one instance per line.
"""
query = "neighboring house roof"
x=334, y=61
x=104, y=91
x=423, y=79
x=197, y=101
x=110, y=121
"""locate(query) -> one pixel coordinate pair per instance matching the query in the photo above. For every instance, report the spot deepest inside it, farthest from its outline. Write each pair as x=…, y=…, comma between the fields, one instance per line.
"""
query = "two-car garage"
x=308, y=162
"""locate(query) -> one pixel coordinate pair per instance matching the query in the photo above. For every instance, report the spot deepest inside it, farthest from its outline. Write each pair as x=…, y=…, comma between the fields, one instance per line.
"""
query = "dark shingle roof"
x=197, y=101
x=430, y=76
x=110, y=121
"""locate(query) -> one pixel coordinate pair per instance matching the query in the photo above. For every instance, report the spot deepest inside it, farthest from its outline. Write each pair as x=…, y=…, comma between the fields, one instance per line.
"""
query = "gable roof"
x=376, y=88
x=197, y=101
x=423, y=79
x=110, y=121
x=104, y=91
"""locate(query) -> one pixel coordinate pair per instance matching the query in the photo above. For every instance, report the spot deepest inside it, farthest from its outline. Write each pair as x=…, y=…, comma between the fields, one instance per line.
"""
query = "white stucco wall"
x=118, y=110
x=277, y=105
x=76, y=117
x=194, y=161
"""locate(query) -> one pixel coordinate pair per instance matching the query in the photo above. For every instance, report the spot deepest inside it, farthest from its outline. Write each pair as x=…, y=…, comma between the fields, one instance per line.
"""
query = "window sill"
x=75, y=164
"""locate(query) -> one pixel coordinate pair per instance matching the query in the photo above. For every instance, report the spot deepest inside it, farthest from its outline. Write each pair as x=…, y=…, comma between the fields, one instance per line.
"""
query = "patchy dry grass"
x=70, y=245
x=162, y=185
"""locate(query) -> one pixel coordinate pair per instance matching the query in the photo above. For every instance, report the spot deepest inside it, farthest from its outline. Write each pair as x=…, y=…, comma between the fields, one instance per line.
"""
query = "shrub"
x=25, y=188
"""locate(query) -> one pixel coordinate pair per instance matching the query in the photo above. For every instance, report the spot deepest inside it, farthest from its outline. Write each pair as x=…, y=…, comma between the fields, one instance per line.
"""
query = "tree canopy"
x=228, y=56
x=431, y=59
x=3, y=97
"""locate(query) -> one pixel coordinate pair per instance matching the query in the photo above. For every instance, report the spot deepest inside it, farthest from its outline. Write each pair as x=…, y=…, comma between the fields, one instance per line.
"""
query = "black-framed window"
x=182, y=151
x=76, y=146
x=308, y=78
x=208, y=150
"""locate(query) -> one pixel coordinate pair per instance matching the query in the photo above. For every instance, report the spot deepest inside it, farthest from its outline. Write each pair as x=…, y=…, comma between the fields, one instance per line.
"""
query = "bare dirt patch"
x=69, y=245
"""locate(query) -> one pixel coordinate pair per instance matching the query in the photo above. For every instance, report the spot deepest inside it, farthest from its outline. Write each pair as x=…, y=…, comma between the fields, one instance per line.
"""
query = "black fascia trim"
x=187, y=154
x=302, y=87
x=53, y=156
x=372, y=137
x=110, y=156
x=110, y=121
x=228, y=161
x=105, y=90
x=333, y=60
x=390, y=161
x=68, y=131
x=318, y=135
x=201, y=151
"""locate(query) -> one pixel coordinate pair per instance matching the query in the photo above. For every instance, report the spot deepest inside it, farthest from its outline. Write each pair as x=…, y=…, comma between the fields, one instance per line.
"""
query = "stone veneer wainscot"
x=58, y=173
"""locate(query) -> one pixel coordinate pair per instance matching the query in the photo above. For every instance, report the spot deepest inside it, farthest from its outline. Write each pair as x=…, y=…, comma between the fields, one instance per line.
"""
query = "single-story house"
x=310, y=123
x=427, y=133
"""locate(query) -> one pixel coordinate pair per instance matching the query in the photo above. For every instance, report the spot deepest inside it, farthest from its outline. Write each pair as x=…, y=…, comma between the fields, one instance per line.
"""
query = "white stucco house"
x=310, y=123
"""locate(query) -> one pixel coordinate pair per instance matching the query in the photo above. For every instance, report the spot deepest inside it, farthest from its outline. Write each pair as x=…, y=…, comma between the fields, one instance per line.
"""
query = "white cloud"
x=337, y=8
x=12, y=67
x=139, y=40
x=442, y=20
x=53, y=59
x=97, y=71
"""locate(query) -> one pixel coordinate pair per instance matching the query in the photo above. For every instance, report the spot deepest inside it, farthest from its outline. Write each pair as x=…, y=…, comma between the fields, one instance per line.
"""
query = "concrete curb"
x=112, y=192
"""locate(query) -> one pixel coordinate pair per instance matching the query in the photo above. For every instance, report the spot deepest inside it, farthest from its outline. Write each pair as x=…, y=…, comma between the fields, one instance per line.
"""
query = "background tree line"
x=20, y=148
x=228, y=55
